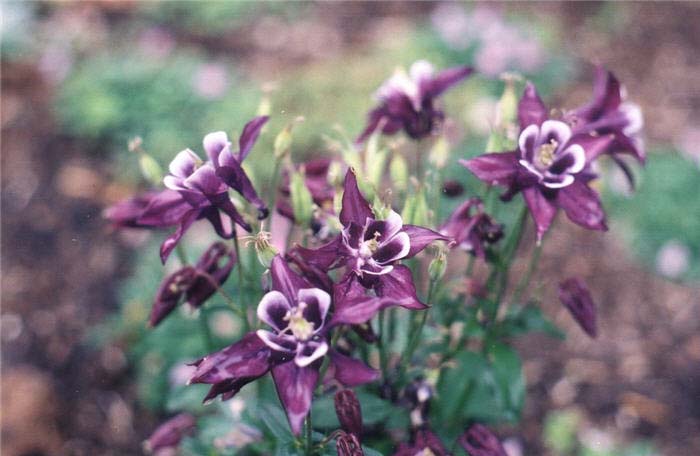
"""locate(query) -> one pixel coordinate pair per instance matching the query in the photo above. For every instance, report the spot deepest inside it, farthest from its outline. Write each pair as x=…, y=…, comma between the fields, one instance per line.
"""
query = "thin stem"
x=416, y=332
x=247, y=325
x=224, y=294
x=206, y=331
x=531, y=268
x=309, y=435
x=181, y=254
x=382, y=344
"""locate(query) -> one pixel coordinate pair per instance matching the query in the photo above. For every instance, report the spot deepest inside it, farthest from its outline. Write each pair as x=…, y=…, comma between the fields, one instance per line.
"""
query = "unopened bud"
x=416, y=211
x=150, y=169
x=264, y=250
x=398, y=170
x=283, y=140
x=437, y=267
x=439, y=153
x=347, y=407
x=302, y=202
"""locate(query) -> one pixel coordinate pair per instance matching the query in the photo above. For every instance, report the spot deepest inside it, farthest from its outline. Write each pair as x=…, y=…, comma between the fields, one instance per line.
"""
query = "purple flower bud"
x=169, y=434
x=170, y=292
x=478, y=440
x=574, y=295
x=471, y=228
x=424, y=442
x=348, y=445
x=347, y=407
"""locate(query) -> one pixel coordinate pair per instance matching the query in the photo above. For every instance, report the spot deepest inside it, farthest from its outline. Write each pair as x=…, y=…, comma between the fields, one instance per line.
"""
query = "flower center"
x=545, y=154
x=301, y=328
x=370, y=246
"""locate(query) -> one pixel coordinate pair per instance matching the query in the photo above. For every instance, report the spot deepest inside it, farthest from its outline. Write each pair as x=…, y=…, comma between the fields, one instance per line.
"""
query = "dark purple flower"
x=550, y=168
x=196, y=284
x=574, y=295
x=297, y=313
x=349, y=412
x=609, y=113
x=408, y=100
x=424, y=442
x=169, y=434
x=126, y=214
x=472, y=228
x=348, y=445
x=478, y=440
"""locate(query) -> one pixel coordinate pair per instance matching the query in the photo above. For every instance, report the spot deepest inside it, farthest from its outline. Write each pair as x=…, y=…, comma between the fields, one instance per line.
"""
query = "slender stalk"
x=525, y=279
x=246, y=323
x=416, y=333
x=309, y=435
x=206, y=331
x=181, y=254
x=224, y=294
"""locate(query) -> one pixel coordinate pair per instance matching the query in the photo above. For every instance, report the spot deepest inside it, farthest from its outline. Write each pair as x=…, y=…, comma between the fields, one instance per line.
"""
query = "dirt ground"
x=61, y=266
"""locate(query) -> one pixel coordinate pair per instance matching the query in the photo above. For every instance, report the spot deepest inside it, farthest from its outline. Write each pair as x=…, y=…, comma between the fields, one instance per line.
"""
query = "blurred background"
x=79, y=79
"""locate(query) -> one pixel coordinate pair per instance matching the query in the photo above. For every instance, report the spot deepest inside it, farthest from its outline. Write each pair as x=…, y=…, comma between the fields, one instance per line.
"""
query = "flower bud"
x=283, y=140
x=505, y=123
x=169, y=434
x=574, y=295
x=150, y=169
x=302, y=202
x=415, y=211
x=478, y=440
x=264, y=250
x=439, y=153
x=398, y=170
x=437, y=267
x=347, y=408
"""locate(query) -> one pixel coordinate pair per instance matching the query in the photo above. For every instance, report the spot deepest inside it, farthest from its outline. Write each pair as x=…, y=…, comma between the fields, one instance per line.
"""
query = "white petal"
x=319, y=351
x=556, y=128
x=579, y=158
x=568, y=180
x=532, y=133
x=272, y=304
x=268, y=338
x=530, y=167
x=214, y=143
x=320, y=296
x=184, y=163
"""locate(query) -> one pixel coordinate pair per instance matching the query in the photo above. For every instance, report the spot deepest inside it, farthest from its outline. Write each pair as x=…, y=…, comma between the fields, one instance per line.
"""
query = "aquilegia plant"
x=346, y=306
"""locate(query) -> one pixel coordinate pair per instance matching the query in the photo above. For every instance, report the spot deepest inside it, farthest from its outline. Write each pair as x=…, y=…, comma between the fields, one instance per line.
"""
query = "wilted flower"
x=169, y=434
x=196, y=284
x=478, y=440
x=574, y=295
x=408, y=100
x=549, y=167
x=297, y=312
x=472, y=228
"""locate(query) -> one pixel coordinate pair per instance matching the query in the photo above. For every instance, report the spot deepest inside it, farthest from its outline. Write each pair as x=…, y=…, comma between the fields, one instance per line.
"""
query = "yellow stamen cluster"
x=301, y=328
x=545, y=154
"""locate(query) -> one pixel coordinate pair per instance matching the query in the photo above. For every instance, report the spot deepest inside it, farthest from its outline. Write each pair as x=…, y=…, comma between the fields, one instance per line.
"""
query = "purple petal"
x=351, y=372
x=184, y=164
x=574, y=295
x=248, y=358
x=355, y=207
x=606, y=97
x=166, y=208
x=420, y=238
x=170, y=292
x=528, y=141
x=496, y=168
x=478, y=440
x=317, y=304
x=347, y=408
x=570, y=161
x=531, y=109
x=323, y=257
x=386, y=229
x=210, y=273
x=281, y=343
x=582, y=206
x=593, y=146
x=444, y=80
x=205, y=180
x=168, y=435
x=352, y=305
x=235, y=177
x=393, y=250
x=250, y=134
x=398, y=287
x=541, y=209
x=310, y=351
x=374, y=117
x=273, y=309
x=285, y=280
x=223, y=203
x=171, y=241
x=295, y=386
x=215, y=144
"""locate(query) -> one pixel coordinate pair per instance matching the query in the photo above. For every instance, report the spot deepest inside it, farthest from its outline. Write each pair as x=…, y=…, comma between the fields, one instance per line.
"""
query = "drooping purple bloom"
x=297, y=314
x=196, y=284
x=478, y=440
x=169, y=434
x=407, y=101
x=425, y=441
x=574, y=295
x=609, y=113
x=472, y=228
x=198, y=190
x=550, y=168
x=370, y=249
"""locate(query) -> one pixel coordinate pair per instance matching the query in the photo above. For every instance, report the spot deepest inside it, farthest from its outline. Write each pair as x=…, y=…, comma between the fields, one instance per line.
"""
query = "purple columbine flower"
x=574, y=295
x=472, y=228
x=371, y=250
x=196, y=284
x=609, y=113
x=298, y=314
x=169, y=434
x=478, y=440
x=197, y=190
x=550, y=167
x=407, y=101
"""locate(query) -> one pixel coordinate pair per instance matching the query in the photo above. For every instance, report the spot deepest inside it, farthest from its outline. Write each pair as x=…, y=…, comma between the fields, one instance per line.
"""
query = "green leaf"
x=508, y=372
x=276, y=421
x=528, y=319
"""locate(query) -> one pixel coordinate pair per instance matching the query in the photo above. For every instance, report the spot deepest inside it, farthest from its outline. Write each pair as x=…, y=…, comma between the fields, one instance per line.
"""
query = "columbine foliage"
x=337, y=293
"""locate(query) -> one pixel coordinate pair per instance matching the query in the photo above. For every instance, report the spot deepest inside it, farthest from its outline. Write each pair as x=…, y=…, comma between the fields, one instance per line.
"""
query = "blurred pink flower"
x=211, y=81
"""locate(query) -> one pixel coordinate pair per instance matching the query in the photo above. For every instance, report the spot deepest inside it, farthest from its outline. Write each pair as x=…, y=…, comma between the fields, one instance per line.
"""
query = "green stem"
x=525, y=279
x=224, y=294
x=246, y=323
x=382, y=344
x=181, y=254
x=416, y=333
x=206, y=331
x=309, y=435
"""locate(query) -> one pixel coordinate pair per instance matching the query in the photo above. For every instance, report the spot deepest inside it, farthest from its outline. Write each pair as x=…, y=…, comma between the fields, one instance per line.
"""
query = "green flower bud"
x=283, y=140
x=264, y=250
x=439, y=153
x=302, y=203
x=437, y=267
x=502, y=138
x=150, y=169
